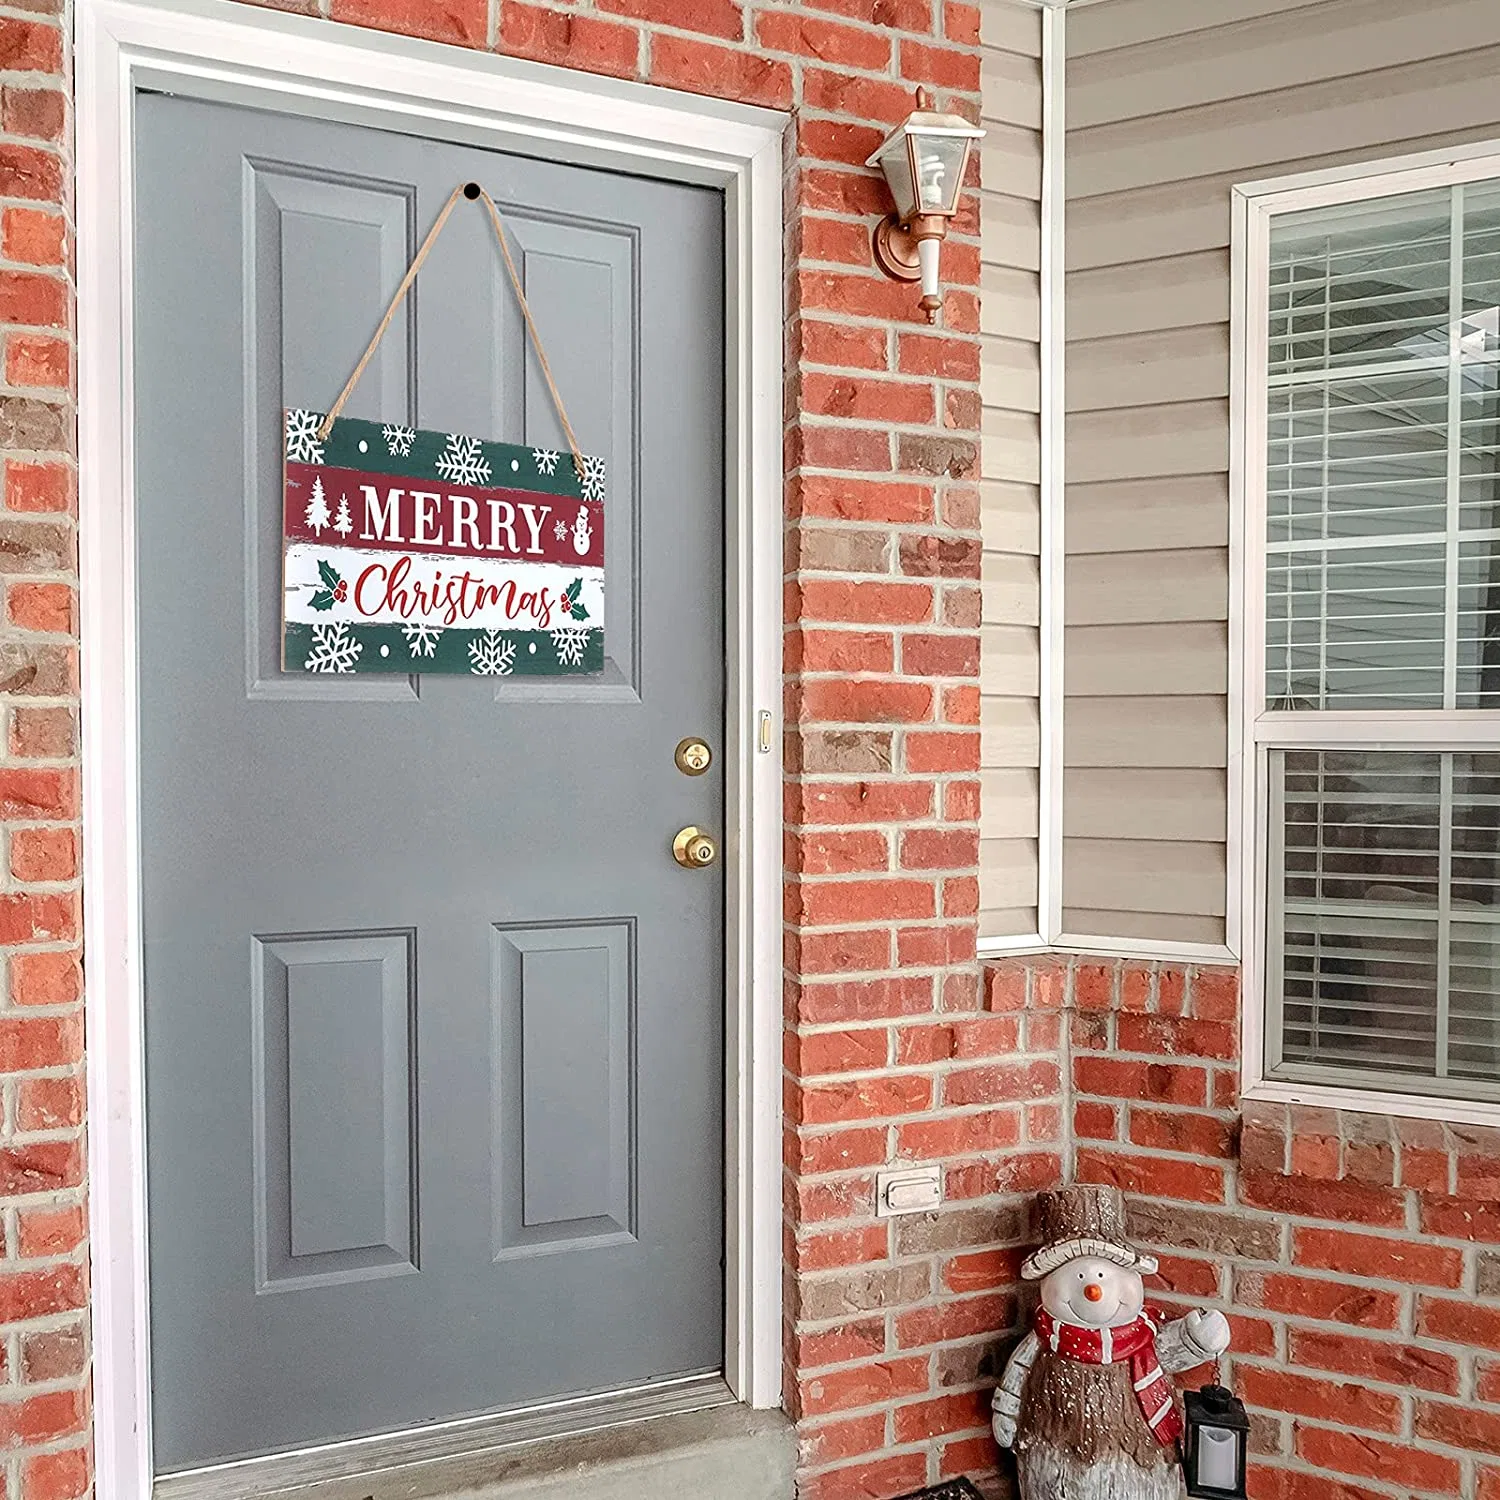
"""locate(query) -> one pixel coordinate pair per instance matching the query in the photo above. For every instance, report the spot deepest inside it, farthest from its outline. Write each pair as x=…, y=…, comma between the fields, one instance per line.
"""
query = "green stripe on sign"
x=506, y=465
x=342, y=649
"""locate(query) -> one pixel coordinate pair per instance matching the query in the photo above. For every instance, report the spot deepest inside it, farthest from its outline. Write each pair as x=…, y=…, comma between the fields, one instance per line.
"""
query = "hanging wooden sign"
x=412, y=551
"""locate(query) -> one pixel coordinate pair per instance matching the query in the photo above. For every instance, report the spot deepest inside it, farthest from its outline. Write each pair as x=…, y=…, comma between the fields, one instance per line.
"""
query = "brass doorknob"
x=693, y=849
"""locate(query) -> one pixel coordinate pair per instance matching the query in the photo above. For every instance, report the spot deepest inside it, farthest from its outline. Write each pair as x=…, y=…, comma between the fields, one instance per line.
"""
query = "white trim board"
x=1052, y=559
x=1085, y=945
x=1255, y=732
x=218, y=49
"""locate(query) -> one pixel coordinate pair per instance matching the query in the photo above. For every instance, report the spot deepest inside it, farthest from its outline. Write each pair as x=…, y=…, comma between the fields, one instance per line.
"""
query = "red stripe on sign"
x=352, y=508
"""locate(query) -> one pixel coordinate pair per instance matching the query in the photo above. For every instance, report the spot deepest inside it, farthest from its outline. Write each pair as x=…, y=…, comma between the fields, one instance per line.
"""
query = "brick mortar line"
x=937, y=1069
x=36, y=1200
x=861, y=1025
x=815, y=421
x=876, y=480
x=866, y=270
x=753, y=46
x=940, y=1069
x=38, y=81
x=816, y=675
x=29, y=1265
x=52, y=270
x=1343, y=1378
x=943, y=1298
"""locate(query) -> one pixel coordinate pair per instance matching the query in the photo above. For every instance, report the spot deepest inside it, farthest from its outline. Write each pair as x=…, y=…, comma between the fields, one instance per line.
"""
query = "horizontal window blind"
x=1382, y=481
x=1382, y=594
x=1388, y=868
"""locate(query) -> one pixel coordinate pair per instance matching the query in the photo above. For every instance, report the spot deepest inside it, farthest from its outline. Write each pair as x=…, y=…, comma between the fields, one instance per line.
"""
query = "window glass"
x=1386, y=870
x=1382, y=581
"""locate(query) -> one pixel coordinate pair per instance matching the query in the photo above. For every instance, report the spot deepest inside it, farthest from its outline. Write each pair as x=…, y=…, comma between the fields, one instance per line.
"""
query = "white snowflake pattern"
x=462, y=462
x=545, y=460
x=303, y=446
x=560, y=531
x=334, y=649
x=422, y=640
x=570, y=642
x=492, y=655
x=398, y=439
x=591, y=477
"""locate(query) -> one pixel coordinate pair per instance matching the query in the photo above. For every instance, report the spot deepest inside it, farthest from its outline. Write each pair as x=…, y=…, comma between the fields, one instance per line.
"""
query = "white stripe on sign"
x=466, y=593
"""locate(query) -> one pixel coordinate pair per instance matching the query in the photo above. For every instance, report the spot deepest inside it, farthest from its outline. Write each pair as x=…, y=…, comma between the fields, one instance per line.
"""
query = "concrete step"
x=725, y=1453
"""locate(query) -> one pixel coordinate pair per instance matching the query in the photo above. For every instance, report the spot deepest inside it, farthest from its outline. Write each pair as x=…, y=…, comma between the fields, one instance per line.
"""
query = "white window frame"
x=1255, y=731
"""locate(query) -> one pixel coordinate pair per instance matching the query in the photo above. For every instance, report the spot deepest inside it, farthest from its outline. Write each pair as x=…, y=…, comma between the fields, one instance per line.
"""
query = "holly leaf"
x=573, y=590
x=578, y=612
x=323, y=599
x=330, y=578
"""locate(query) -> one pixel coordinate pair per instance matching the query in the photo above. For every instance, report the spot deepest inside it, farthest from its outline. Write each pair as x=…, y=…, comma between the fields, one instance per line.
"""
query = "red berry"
x=567, y=605
x=341, y=591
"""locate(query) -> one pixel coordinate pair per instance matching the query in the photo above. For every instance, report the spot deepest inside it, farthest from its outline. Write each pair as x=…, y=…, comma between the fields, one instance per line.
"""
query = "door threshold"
x=439, y=1458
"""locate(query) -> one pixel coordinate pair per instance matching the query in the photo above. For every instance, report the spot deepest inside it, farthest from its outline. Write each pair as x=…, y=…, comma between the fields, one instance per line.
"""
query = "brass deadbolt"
x=693, y=849
x=693, y=756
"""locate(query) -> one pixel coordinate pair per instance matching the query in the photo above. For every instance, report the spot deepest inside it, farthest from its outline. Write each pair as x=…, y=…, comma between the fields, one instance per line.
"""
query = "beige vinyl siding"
x=1010, y=317
x=1169, y=105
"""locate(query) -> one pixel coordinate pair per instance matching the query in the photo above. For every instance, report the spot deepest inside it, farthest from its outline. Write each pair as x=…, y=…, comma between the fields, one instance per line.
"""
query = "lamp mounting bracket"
x=896, y=250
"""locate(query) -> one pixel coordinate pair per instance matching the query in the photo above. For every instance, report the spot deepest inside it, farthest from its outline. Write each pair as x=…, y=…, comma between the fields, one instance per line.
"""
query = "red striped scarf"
x=1135, y=1342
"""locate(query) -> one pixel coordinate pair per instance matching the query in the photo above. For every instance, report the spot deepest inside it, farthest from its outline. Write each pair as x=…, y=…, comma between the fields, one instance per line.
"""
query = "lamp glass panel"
x=895, y=162
x=940, y=168
x=1218, y=1458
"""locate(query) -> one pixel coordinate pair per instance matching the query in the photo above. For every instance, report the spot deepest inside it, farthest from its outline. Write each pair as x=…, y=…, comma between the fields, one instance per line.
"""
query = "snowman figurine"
x=1085, y=1403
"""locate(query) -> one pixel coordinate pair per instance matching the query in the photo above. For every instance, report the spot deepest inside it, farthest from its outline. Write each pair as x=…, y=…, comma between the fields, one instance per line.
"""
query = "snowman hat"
x=1084, y=1220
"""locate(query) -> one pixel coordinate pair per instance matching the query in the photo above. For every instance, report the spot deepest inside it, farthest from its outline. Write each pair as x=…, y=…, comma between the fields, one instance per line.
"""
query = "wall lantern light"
x=1216, y=1443
x=924, y=160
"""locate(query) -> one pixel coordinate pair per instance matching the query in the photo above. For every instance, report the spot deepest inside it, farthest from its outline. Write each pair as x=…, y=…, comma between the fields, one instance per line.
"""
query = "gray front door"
x=434, y=1023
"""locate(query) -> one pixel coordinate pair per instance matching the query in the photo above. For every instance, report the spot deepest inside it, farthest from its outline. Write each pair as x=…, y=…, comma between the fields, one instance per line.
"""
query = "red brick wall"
x=1358, y=1257
x=1369, y=1264
x=894, y=1325
x=44, y=1276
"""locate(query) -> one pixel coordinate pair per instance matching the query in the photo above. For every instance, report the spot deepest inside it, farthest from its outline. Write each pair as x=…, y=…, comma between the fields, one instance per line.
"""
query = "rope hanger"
x=471, y=191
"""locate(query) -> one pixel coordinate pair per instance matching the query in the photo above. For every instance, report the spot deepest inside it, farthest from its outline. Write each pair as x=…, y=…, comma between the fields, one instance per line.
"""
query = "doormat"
x=952, y=1489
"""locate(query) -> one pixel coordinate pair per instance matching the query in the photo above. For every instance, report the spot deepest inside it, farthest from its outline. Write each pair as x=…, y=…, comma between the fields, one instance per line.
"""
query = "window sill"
x=1373, y=1102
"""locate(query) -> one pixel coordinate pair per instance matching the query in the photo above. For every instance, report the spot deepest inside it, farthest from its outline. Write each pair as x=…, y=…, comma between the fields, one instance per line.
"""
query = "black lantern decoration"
x=1216, y=1443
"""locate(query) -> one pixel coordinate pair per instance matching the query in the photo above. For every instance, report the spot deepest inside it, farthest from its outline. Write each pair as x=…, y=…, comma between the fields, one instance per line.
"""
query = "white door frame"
x=222, y=50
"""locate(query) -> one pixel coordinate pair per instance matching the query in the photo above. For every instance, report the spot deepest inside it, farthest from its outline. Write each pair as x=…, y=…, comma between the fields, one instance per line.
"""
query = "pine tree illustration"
x=317, y=508
x=342, y=522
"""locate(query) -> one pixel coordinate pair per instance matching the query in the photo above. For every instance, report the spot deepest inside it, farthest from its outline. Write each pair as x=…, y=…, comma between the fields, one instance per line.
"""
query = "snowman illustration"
x=1085, y=1403
x=582, y=533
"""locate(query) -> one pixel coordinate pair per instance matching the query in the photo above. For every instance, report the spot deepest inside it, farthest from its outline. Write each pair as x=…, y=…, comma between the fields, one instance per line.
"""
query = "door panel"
x=434, y=1023
x=335, y=1137
x=565, y=1084
x=319, y=247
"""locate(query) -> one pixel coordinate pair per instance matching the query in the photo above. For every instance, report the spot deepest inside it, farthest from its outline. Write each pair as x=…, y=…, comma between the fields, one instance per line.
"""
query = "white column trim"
x=1051, y=547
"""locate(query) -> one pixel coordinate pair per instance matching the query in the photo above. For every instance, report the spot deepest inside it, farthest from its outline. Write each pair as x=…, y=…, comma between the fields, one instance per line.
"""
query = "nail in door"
x=434, y=1023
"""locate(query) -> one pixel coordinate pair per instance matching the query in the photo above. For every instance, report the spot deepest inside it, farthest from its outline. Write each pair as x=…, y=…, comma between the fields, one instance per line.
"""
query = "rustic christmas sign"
x=411, y=551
